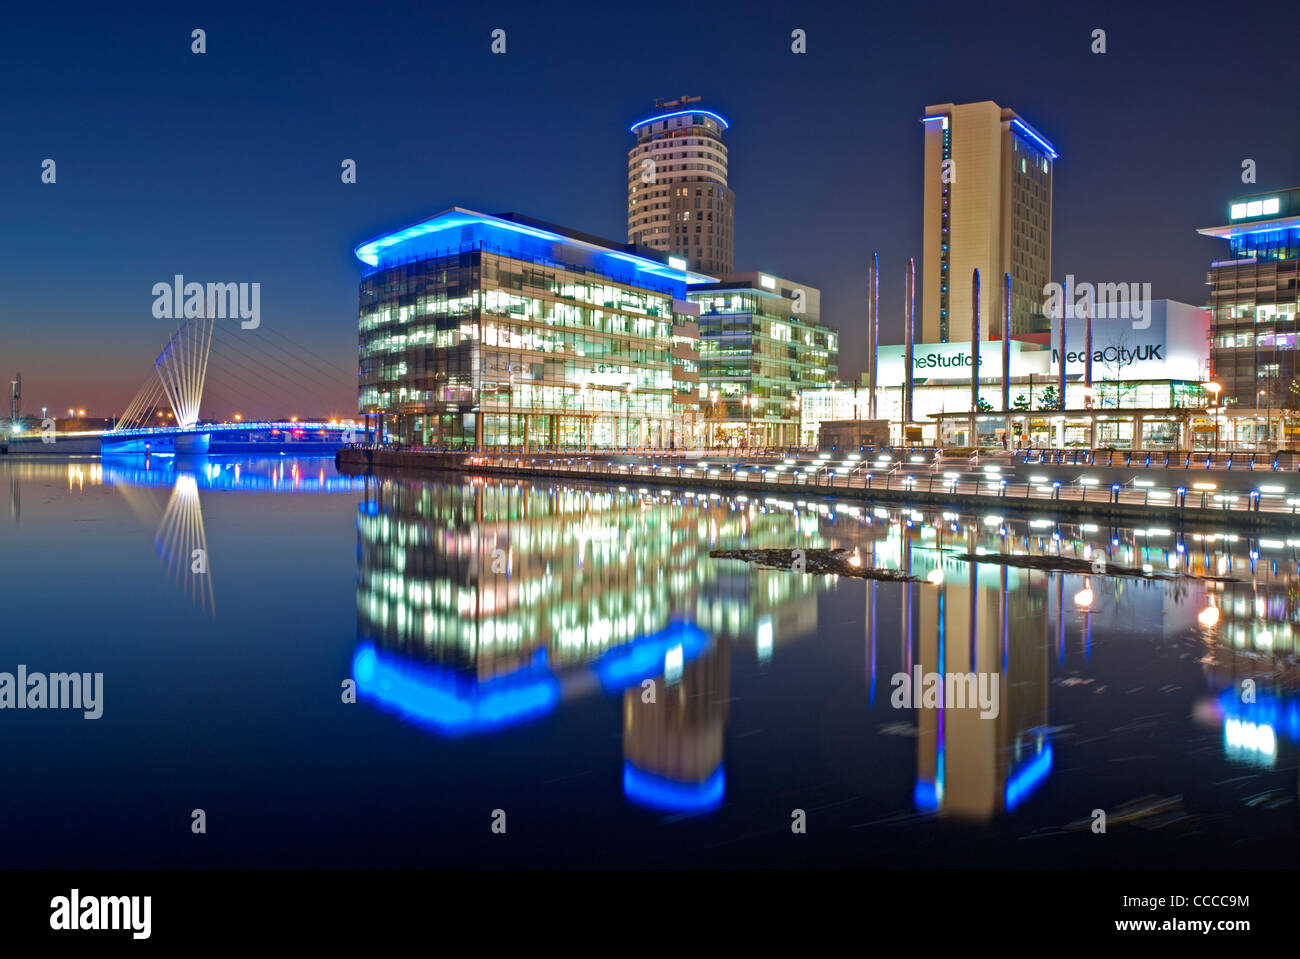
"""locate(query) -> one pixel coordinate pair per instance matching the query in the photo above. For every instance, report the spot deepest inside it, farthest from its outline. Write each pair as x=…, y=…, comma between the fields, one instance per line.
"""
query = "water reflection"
x=483, y=605
x=182, y=543
x=180, y=537
x=489, y=609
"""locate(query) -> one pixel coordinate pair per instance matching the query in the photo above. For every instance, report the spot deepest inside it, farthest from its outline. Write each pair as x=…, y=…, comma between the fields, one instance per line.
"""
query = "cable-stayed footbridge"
x=164, y=415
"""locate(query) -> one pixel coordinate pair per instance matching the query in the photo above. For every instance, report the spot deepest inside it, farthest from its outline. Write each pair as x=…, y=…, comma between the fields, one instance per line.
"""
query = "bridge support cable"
x=182, y=367
x=273, y=364
x=146, y=398
x=181, y=372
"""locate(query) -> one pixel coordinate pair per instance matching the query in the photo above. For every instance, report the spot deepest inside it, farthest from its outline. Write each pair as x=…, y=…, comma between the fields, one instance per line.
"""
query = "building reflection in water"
x=481, y=605
x=1250, y=628
x=1027, y=623
x=672, y=748
x=978, y=618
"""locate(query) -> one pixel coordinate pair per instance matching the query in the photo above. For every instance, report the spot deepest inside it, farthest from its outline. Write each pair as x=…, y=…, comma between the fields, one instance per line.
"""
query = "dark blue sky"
x=225, y=166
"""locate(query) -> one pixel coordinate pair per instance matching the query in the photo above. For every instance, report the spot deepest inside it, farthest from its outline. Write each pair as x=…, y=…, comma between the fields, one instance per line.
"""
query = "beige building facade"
x=987, y=207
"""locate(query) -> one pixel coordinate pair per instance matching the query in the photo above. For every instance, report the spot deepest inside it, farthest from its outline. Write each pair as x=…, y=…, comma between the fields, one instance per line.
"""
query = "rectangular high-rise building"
x=1255, y=301
x=987, y=206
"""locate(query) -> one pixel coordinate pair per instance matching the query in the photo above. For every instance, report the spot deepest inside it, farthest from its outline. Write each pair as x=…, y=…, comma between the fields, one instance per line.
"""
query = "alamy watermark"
x=84, y=691
x=920, y=690
x=1122, y=301
x=222, y=301
x=75, y=912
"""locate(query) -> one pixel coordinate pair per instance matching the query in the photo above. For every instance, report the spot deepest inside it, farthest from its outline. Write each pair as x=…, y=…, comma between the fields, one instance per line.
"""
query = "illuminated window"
x=1254, y=208
x=1238, y=210
x=1271, y=205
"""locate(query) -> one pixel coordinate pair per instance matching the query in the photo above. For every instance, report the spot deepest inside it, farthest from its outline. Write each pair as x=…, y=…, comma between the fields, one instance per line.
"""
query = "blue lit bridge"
x=177, y=382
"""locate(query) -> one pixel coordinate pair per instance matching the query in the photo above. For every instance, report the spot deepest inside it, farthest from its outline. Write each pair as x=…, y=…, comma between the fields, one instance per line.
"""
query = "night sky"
x=225, y=166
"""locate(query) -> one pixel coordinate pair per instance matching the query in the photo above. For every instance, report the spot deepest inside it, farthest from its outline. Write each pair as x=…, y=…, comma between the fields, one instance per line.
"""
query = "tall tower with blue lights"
x=678, y=201
x=988, y=207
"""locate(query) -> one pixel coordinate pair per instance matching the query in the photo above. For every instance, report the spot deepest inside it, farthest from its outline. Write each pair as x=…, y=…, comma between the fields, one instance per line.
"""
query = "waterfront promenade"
x=999, y=481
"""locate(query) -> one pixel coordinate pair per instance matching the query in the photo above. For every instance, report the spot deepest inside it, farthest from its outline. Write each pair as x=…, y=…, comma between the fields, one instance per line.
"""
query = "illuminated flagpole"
x=1006, y=357
x=1065, y=312
x=1087, y=368
x=974, y=352
x=1087, y=340
x=909, y=346
x=873, y=331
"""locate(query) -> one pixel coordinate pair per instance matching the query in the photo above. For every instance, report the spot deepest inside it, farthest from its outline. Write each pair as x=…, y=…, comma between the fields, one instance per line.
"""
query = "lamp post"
x=627, y=416
x=1268, y=415
x=713, y=418
x=586, y=426
x=1214, y=389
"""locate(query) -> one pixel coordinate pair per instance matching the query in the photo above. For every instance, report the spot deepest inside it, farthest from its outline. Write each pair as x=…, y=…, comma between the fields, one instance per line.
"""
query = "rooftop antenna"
x=676, y=101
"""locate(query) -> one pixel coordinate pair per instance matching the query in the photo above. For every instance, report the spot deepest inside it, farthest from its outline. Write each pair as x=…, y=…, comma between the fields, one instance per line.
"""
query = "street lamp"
x=1214, y=389
x=713, y=419
x=586, y=426
x=1268, y=416
x=627, y=416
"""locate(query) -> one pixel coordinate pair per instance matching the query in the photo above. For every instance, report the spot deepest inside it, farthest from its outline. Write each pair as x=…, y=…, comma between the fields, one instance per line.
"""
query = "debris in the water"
x=1269, y=799
x=826, y=562
x=1072, y=564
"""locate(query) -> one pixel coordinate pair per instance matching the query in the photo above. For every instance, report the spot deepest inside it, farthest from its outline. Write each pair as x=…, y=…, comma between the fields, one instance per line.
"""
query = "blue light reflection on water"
x=760, y=671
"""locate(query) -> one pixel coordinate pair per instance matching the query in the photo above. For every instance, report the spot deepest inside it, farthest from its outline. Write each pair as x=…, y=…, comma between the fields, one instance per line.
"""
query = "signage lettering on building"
x=1119, y=355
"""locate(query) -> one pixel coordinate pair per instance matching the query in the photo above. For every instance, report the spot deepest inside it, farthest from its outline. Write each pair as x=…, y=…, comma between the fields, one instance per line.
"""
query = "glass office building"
x=762, y=345
x=481, y=331
x=1254, y=303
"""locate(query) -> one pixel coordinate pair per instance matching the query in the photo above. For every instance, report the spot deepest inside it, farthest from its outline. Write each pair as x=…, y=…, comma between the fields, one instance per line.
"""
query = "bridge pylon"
x=179, y=373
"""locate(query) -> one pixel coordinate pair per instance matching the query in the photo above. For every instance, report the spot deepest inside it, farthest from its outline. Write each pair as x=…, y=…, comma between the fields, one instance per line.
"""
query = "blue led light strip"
x=678, y=113
x=1029, y=132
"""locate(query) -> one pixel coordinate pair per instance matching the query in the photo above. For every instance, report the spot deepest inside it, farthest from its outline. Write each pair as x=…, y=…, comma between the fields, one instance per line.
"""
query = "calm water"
x=500, y=636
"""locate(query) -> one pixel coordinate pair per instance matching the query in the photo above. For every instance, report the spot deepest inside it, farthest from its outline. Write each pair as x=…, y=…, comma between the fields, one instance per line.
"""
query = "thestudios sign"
x=1173, y=345
x=934, y=362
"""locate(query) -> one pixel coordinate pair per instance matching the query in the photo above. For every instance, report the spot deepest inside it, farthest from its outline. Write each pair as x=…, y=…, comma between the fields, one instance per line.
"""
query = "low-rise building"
x=762, y=347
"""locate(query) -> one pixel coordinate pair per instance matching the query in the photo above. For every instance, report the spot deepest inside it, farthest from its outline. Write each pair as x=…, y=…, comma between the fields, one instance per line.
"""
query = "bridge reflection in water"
x=180, y=537
x=484, y=606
